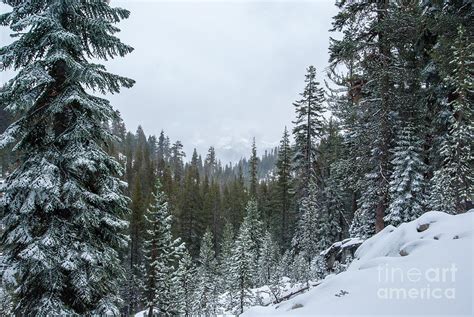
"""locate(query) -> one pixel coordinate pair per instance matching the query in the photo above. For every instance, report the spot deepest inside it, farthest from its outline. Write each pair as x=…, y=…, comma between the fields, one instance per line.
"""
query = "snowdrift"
x=424, y=267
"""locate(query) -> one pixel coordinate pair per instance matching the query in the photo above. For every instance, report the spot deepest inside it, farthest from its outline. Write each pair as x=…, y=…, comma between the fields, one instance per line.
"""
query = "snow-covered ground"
x=421, y=268
x=264, y=295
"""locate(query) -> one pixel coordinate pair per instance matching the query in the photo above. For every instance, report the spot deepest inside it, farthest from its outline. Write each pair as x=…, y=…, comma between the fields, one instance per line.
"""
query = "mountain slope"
x=424, y=267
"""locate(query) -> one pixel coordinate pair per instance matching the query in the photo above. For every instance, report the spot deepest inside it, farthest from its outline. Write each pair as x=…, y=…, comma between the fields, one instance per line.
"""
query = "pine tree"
x=318, y=268
x=225, y=263
x=284, y=191
x=363, y=224
x=301, y=269
x=453, y=183
x=407, y=180
x=369, y=111
x=162, y=254
x=210, y=164
x=243, y=269
x=187, y=283
x=207, y=287
x=307, y=240
x=63, y=204
x=177, y=165
x=190, y=216
x=268, y=259
x=277, y=279
x=211, y=210
x=254, y=223
x=308, y=128
x=253, y=171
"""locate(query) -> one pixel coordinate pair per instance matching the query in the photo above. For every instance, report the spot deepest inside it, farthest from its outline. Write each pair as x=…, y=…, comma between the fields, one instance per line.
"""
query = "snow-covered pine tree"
x=363, y=223
x=253, y=171
x=186, y=282
x=63, y=204
x=277, y=280
x=452, y=185
x=253, y=221
x=243, y=274
x=318, y=268
x=372, y=90
x=407, y=179
x=207, y=284
x=300, y=269
x=308, y=127
x=225, y=262
x=307, y=241
x=162, y=254
x=268, y=259
x=285, y=195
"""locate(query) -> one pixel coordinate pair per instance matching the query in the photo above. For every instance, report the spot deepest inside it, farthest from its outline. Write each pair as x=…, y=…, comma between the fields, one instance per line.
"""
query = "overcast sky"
x=219, y=72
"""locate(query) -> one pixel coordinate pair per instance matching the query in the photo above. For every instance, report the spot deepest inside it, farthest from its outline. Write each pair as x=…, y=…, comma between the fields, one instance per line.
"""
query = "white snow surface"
x=403, y=271
x=263, y=294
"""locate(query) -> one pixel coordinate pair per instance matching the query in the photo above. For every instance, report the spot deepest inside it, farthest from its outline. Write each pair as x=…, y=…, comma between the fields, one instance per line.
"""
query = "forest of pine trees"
x=388, y=138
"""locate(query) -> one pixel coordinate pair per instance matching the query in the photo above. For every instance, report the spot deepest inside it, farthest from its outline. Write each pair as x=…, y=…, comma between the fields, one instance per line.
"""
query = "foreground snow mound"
x=424, y=267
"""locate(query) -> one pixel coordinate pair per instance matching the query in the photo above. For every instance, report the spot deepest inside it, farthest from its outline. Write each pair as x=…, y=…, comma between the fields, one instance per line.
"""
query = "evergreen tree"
x=186, y=282
x=277, y=279
x=177, y=165
x=242, y=270
x=63, y=203
x=207, y=287
x=301, y=270
x=371, y=106
x=284, y=193
x=210, y=164
x=307, y=240
x=308, y=128
x=211, y=210
x=225, y=263
x=190, y=216
x=253, y=171
x=254, y=223
x=268, y=259
x=407, y=180
x=162, y=255
x=452, y=184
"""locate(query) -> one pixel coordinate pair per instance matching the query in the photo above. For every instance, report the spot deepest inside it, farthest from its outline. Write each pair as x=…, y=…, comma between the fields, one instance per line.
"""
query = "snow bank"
x=424, y=267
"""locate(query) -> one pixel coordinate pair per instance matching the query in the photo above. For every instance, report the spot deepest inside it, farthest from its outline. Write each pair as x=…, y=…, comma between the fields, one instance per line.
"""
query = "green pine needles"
x=63, y=205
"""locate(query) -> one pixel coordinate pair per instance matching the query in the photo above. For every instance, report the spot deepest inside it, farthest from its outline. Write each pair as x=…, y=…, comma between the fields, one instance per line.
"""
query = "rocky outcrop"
x=340, y=252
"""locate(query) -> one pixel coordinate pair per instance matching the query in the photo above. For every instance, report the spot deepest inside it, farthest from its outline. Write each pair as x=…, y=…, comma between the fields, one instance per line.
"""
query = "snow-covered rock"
x=340, y=251
x=424, y=267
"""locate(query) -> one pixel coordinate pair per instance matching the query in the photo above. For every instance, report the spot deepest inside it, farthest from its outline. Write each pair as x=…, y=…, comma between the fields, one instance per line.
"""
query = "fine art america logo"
x=414, y=283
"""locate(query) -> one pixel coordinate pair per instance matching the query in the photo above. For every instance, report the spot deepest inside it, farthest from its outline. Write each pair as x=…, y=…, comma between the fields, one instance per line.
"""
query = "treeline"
x=202, y=193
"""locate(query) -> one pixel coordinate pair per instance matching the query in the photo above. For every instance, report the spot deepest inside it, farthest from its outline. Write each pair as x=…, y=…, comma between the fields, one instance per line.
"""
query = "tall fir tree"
x=371, y=106
x=253, y=171
x=453, y=183
x=308, y=128
x=225, y=262
x=407, y=180
x=268, y=259
x=63, y=204
x=243, y=271
x=253, y=221
x=207, y=285
x=307, y=240
x=162, y=253
x=190, y=217
x=284, y=191
x=187, y=282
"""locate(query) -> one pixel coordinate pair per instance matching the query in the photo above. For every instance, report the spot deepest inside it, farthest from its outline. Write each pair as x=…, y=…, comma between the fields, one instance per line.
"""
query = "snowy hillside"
x=423, y=267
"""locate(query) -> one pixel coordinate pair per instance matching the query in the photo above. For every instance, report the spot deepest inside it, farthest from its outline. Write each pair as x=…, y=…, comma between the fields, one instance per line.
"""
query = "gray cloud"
x=219, y=73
